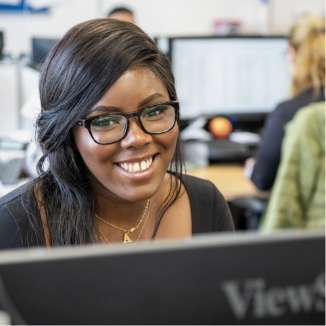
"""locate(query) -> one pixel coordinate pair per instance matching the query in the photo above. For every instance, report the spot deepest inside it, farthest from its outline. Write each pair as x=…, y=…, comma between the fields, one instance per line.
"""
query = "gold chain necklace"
x=126, y=238
x=103, y=237
x=143, y=226
x=139, y=235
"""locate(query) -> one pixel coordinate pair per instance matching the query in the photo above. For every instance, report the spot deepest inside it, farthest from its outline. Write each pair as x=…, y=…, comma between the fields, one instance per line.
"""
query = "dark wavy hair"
x=76, y=74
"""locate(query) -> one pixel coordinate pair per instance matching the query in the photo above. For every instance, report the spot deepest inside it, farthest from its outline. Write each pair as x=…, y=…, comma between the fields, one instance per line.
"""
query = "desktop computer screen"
x=1, y=44
x=40, y=48
x=233, y=75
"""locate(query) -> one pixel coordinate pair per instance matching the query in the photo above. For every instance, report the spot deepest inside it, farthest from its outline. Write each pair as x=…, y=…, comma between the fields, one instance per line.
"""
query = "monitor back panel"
x=243, y=280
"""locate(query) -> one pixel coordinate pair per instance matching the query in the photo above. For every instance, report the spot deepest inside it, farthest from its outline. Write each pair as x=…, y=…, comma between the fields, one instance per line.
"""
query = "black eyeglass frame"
x=86, y=123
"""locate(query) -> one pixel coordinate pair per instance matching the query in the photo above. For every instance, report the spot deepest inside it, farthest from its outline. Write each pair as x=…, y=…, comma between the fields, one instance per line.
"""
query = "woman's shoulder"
x=193, y=182
x=16, y=193
x=312, y=113
x=12, y=204
x=210, y=211
x=288, y=108
x=13, y=221
x=201, y=189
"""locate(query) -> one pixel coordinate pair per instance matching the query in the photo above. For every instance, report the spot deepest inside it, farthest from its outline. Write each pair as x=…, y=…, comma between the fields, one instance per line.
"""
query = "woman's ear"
x=292, y=53
x=291, y=57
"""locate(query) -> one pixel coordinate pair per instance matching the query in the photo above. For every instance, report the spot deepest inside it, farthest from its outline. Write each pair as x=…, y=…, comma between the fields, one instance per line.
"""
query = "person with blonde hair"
x=306, y=58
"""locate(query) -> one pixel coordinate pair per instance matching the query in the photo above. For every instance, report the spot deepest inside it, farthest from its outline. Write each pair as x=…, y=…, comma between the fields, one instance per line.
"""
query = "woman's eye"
x=105, y=122
x=155, y=111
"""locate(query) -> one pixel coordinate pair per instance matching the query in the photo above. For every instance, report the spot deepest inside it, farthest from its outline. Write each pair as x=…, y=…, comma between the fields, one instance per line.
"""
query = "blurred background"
x=29, y=28
x=23, y=20
x=52, y=18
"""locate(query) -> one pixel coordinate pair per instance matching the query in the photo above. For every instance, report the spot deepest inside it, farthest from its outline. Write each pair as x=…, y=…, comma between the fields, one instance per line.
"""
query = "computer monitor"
x=238, y=278
x=229, y=75
x=1, y=44
x=40, y=48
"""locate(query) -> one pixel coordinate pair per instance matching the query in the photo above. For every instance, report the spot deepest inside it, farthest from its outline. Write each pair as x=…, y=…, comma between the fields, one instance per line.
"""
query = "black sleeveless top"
x=210, y=213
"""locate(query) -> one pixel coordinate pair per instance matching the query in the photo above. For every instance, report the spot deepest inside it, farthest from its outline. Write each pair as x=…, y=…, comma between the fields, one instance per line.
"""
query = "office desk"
x=229, y=179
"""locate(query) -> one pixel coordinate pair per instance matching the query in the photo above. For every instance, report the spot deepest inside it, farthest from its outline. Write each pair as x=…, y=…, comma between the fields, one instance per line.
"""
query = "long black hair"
x=76, y=74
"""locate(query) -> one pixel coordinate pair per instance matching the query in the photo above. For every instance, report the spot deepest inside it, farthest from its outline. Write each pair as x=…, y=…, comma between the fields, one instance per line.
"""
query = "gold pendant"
x=126, y=238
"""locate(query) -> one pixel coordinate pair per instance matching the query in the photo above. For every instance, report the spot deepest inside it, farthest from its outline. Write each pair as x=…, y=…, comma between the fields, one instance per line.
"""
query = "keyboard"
x=227, y=150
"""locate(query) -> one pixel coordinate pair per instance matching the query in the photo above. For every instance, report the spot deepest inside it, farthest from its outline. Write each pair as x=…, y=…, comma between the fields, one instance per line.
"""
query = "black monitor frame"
x=41, y=46
x=1, y=44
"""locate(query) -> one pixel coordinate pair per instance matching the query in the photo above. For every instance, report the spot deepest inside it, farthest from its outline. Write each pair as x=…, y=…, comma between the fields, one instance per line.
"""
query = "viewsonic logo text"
x=252, y=296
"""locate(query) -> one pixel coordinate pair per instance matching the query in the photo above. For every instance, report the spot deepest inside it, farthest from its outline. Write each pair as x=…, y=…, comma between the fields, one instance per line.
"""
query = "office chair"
x=247, y=211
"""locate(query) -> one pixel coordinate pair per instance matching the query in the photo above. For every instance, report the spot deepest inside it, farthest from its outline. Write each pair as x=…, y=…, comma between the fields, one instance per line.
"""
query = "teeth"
x=143, y=166
x=138, y=166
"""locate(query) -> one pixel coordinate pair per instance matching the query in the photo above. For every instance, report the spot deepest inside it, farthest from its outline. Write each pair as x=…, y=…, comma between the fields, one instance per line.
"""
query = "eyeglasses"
x=110, y=128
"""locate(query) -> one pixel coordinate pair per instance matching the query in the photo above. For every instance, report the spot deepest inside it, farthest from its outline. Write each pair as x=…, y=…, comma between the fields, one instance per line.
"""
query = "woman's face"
x=111, y=166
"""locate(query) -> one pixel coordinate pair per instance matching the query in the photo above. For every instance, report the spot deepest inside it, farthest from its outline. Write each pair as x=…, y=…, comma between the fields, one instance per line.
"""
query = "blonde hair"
x=307, y=37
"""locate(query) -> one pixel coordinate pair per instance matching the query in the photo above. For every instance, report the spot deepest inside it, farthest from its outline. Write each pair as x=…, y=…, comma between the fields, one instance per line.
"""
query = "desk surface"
x=229, y=179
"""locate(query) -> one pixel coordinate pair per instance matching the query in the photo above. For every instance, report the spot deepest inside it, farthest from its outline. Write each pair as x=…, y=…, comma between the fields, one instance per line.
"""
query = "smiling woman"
x=111, y=168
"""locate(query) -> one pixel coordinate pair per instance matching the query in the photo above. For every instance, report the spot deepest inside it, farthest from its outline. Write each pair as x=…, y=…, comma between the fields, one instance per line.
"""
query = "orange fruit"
x=220, y=127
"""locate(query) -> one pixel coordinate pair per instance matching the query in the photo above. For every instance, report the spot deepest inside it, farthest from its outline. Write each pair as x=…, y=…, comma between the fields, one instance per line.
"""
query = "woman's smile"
x=136, y=166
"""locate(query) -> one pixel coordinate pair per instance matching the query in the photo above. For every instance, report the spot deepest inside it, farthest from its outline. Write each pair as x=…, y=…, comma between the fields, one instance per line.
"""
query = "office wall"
x=157, y=17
